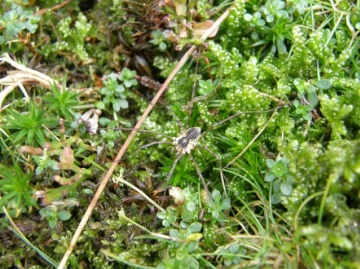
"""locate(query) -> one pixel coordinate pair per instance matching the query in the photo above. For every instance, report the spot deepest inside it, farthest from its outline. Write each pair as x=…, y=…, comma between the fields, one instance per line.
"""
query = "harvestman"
x=184, y=143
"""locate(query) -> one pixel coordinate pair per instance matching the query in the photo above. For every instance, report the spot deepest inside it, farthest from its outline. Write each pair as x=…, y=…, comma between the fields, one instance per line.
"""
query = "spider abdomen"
x=186, y=142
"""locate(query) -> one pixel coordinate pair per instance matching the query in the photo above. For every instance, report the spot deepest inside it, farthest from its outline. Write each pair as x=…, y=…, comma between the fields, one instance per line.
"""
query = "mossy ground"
x=282, y=78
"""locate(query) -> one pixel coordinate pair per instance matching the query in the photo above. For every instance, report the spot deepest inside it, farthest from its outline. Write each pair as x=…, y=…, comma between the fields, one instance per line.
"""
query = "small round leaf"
x=285, y=188
x=64, y=215
x=323, y=84
x=276, y=198
x=269, y=177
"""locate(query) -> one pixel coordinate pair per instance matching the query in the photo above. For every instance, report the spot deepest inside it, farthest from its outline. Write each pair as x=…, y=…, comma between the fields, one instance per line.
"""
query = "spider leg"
x=237, y=114
x=176, y=118
x=173, y=167
x=191, y=104
x=138, y=130
x=150, y=144
x=170, y=173
x=252, y=140
x=155, y=143
x=219, y=163
x=201, y=177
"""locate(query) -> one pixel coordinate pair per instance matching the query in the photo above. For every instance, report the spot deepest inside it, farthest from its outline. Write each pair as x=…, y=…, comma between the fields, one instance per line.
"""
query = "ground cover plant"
x=271, y=180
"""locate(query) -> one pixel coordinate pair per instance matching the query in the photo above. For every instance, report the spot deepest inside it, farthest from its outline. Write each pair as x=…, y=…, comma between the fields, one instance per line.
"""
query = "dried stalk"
x=22, y=76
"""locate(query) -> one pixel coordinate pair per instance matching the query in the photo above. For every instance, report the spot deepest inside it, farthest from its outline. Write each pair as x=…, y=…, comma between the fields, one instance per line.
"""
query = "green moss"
x=286, y=72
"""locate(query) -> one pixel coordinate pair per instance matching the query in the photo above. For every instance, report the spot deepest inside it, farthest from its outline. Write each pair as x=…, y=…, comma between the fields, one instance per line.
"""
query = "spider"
x=184, y=144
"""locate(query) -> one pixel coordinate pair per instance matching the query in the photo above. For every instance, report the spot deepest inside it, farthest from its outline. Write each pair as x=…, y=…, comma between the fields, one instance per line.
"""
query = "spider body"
x=186, y=142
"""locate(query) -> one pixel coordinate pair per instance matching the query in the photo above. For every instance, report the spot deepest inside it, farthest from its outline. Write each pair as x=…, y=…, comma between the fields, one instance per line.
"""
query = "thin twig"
x=54, y=8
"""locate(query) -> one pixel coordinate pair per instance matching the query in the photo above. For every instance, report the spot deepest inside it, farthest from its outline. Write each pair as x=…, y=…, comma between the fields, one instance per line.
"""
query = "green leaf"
x=192, y=246
x=323, y=84
x=174, y=233
x=341, y=241
x=276, y=198
x=205, y=87
x=100, y=105
x=48, y=212
x=52, y=223
x=296, y=103
x=87, y=191
x=216, y=195
x=116, y=105
x=19, y=135
x=128, y=83
x=103, y=90
x=162, y=46
x=39, y=169
x=161, y=215
x=285, y=188
x=39, y=138
x=195, y=227
x=248, y=17
x=234, y=248
x=312, y=98
x=123, y=104
x=190, y=206
x=119, y=89
x=187, y=215
x=226, y=204
x=269, y=177
x=270, y=163
x=64, y=215
x=279, y=169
